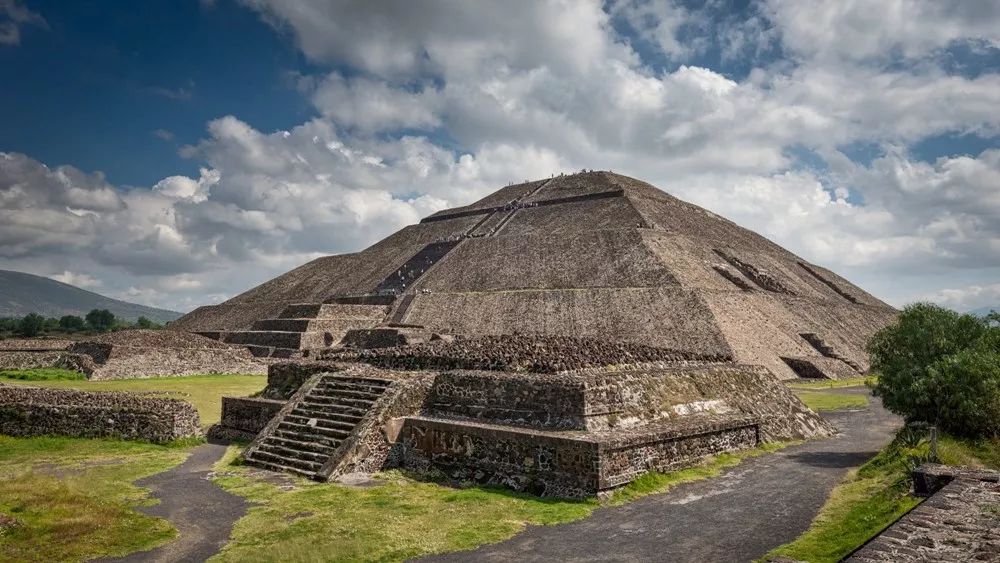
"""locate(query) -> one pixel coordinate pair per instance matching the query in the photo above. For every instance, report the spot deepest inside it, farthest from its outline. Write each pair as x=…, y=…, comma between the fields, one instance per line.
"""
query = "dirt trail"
x=203, y=513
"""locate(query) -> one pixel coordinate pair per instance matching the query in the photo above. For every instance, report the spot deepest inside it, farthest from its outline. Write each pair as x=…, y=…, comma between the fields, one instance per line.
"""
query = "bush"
x=31, y=325
x=72, y=323
x=100, y=320
x=940, y=367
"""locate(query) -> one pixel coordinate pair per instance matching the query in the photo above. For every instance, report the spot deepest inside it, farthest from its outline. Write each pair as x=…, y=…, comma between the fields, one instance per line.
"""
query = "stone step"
x=322, y=446
x=280, y=339
x=307, y=467
x=305, y=431
x=336, y=326
x=347, y=380
x=277, y=467
x=294, y=453
x=334, y=400
x=294, y=434
x=302, y=416
x=334, y=311
x=333, y=411
x=348, y=392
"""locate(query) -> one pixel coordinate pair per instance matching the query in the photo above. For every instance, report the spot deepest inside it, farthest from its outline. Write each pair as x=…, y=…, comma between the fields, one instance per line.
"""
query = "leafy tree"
x=143, y=322
x=940, y=367
x=31, y=325
x=72, y=323
x=8, y=324
x=100, y=320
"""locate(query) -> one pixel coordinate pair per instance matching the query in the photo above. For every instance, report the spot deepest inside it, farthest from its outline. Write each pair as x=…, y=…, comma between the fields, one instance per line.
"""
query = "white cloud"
x=528, y=89
x=882, y=29
x=973, y=297
x=14, y=15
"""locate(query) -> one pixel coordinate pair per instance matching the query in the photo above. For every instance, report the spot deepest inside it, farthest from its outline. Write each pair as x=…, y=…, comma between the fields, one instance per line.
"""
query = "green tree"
x=72, y=323
x=143, y=322
x=31, y=325
x=940, y=367
x=100, y=320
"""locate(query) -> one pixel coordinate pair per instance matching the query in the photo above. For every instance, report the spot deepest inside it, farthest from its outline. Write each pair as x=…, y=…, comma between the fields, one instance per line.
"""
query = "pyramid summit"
x=594, y=255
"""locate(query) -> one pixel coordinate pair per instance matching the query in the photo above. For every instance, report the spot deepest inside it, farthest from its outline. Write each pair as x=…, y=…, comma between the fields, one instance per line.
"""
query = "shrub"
x=72, y=323
x=100, y=319
x=31, y=325
x=940, y=367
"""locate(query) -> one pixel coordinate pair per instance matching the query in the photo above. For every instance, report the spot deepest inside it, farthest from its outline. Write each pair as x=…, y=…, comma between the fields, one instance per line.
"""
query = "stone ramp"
x=308, y=432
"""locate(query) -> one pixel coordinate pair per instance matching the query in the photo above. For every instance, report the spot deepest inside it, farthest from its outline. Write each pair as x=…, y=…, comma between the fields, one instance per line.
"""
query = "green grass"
x=205, y=392
x=42, y=374
x=74, y=498
x=404, y=517
x=834, y=383
x=876, y=494
x=829, y=400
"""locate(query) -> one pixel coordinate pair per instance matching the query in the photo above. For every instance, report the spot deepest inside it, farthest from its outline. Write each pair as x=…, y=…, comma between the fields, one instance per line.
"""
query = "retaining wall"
x=33, y=411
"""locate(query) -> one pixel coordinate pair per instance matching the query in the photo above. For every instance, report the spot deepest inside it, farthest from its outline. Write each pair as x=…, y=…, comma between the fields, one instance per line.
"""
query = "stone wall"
x=25, y=359
x=522, y=353
x=960, y=522
x=616, y=398
x=564, y=464
x=33, y=411
x=244, y=417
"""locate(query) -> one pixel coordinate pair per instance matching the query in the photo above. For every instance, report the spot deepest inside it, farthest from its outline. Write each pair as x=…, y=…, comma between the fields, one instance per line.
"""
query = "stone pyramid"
x=595, y=255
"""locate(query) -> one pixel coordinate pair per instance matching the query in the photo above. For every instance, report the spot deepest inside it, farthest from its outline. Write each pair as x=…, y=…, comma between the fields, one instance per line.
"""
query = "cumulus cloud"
x=423, y=107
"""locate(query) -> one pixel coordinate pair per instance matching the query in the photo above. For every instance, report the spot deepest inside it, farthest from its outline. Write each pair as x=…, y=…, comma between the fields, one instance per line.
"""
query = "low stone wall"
x=564, y=464
x=244, y=417
x=549, y=401
x=958, y=523
x=33, y=411
x=520, y=353
x=24, y=359
x=602, y=399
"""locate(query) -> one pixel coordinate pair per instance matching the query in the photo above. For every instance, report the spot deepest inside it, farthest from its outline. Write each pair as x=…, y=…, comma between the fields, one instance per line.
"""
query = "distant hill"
x=22, y=293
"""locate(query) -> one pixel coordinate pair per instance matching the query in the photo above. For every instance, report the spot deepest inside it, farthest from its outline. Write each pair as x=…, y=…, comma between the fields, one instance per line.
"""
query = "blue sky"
x=150, y=153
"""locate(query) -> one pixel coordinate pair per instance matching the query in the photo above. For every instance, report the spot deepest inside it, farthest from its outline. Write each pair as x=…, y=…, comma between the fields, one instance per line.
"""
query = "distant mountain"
x=22, y=293
x=985, y=310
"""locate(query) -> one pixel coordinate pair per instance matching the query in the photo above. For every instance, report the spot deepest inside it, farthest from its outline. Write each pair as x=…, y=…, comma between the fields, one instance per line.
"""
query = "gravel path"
x=739, y=516
x=202, y=512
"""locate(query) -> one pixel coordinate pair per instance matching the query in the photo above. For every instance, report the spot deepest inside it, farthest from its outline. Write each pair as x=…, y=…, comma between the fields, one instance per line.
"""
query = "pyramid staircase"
x=828, y=351
x=304, y=437
x=306, y=326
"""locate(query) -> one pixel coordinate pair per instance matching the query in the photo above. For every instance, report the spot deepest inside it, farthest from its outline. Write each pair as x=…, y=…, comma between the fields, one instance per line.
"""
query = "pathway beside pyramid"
x=584, y=329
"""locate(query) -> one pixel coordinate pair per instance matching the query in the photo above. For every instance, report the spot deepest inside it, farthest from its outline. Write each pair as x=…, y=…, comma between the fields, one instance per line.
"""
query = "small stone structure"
x=29, y=353
x=571, y=433
x=130, y=354
x=34, y=411
x=958, y=523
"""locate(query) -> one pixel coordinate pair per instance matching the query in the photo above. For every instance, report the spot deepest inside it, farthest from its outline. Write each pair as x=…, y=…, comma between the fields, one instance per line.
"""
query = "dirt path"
x=739, y=516
x=203, y=513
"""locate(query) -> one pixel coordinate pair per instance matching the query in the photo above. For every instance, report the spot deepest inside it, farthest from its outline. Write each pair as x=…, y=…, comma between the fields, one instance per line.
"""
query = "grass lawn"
x=203, y=391
x=830, y=400
x=876, y=494
x=74, y=498
x=42, y=374
x=833, y=383
x=402, y=517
